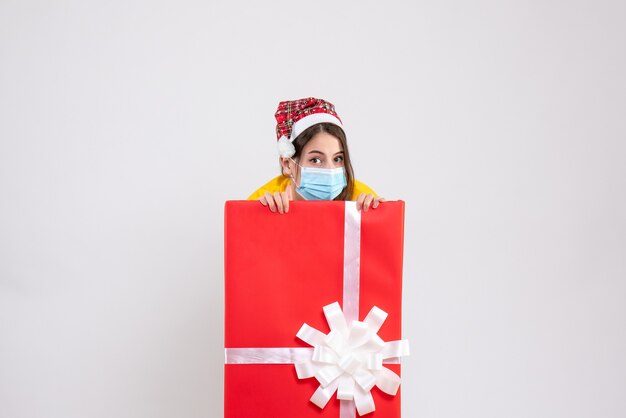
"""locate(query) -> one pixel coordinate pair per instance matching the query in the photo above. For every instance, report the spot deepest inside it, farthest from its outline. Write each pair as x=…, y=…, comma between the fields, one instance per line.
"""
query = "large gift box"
x=313, y=310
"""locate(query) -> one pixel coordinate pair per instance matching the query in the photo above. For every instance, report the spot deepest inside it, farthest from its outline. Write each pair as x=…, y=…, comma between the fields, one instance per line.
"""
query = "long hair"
x=337, y=132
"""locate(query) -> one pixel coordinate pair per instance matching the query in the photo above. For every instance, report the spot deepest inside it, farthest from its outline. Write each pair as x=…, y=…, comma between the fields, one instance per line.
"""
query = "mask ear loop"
x=292, y=177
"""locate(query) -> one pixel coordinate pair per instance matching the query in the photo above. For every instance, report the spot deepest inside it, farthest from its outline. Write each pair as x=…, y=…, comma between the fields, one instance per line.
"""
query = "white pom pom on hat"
x=286, y=148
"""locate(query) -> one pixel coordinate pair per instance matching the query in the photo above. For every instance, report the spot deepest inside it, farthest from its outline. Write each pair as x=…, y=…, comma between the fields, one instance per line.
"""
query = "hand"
x=277, y=201
x=364, y=201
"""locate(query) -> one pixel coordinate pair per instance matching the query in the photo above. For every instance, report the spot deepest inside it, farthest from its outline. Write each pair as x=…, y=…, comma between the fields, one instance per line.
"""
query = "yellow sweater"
x=280, y=183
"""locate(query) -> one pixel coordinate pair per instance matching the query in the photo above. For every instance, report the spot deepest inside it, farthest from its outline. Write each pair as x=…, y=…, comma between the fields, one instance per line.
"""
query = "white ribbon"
x=351, y=261
x=349, y=359
x=274, y=355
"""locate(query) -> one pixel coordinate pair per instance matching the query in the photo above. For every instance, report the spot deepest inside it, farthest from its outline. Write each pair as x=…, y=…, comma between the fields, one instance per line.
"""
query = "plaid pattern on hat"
x=290, y=112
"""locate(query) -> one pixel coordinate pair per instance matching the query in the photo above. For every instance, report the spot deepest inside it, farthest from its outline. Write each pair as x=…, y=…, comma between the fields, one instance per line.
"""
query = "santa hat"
x=294, y=116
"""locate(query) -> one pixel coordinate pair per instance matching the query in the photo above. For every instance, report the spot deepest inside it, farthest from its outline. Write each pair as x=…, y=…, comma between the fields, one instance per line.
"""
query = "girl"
x=314, y=159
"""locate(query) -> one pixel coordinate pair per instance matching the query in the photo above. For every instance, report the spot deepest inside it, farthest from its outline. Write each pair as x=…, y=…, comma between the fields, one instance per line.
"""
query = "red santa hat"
x=294, y=116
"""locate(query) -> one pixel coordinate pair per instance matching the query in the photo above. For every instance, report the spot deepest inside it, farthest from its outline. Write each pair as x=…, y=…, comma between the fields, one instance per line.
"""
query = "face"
x=322, y=151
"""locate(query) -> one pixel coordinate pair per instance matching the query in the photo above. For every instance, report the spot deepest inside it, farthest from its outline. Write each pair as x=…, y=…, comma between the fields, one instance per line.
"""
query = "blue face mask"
x=321, y=183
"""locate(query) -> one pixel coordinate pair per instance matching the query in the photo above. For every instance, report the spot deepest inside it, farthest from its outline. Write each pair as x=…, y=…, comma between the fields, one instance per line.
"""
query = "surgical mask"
x=321, y=183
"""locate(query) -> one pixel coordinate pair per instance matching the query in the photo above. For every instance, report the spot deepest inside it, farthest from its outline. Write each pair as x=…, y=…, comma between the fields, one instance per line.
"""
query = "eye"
x=339, y=158
x=315, y=160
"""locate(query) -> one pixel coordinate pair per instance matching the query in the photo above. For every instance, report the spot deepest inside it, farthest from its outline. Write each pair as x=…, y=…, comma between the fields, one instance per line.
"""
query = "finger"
x=368, y=201
x=270, y=201
x=285, y=197
x=359, y=201
x=263, y=201
x=377, y=201
x=279, y=202
x=289, y=194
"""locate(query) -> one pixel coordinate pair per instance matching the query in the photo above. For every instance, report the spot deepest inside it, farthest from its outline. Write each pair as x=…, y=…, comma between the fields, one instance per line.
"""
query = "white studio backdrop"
x=125, y=125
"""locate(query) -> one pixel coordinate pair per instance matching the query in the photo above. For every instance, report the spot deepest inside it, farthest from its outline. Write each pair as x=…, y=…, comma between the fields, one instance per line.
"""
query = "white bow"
x=349, y=360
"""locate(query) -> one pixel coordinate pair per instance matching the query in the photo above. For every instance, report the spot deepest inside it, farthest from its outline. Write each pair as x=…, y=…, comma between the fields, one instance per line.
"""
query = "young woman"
x=314, y=159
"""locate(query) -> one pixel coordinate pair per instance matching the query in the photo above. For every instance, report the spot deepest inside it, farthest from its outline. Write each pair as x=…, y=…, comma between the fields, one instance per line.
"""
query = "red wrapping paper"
x=280, y=270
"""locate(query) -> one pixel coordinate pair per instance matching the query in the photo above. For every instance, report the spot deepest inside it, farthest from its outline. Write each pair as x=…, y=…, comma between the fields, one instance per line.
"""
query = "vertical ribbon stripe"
x=351, y=281
x=351, y=262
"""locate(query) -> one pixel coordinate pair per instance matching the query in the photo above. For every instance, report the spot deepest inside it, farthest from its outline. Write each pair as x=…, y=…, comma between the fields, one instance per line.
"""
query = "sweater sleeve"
x=277, y=184
x=361, y=188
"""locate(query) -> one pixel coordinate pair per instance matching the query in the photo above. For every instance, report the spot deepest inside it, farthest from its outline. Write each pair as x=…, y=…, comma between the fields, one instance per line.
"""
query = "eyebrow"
x=314, y=151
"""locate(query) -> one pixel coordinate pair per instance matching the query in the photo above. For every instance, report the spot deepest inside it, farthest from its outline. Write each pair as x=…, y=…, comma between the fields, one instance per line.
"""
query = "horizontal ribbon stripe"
x=277, y=355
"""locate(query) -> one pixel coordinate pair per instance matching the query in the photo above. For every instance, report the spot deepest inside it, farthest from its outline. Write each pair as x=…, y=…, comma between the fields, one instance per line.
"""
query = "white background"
x=125, y=125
